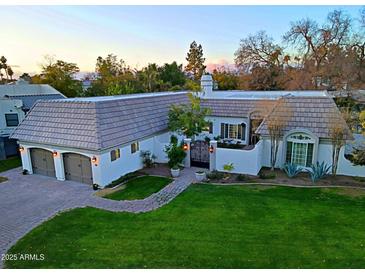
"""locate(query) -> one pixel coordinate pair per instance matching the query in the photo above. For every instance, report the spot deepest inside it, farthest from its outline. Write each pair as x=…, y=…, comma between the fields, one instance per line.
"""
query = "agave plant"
x=292, y=170
x=318, y=171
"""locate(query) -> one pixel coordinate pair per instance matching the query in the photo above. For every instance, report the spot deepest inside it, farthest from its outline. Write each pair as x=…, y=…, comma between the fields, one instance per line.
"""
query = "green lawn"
x=209, y=227
x=140, y=188
x=10, y=163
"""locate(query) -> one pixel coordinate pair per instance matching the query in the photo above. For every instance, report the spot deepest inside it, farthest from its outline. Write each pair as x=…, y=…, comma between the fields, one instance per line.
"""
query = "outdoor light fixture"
x=55, y=153
x=94, y=159
x=21, y=149
x=211, y=149
x=185, y=146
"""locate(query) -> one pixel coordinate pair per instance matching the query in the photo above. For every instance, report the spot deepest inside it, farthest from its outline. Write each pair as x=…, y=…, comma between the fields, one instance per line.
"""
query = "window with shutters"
x=12, y=119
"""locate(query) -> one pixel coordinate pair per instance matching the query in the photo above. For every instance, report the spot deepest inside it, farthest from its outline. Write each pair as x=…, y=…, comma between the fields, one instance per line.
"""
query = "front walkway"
x=27, y=201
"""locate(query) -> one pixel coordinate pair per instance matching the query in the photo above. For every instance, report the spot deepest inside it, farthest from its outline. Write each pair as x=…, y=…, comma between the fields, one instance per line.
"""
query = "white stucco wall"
x=266, y=154
x=128, y=162
x=9, y=106
x=244, y=161
x=345, y=167
x=104, y=170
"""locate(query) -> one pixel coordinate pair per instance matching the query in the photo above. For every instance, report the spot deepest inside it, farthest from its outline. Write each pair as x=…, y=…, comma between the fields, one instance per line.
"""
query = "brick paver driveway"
x=28, y=200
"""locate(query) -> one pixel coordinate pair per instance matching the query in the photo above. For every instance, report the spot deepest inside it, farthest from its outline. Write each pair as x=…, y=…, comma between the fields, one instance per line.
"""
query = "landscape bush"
x=148, y=159
x=292, y=170
x=175, y=152
x=267, y=175
x=215, y=175
x=318, y=171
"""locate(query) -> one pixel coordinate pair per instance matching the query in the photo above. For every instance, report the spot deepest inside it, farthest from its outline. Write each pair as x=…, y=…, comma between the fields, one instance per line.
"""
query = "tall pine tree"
x=195, y=61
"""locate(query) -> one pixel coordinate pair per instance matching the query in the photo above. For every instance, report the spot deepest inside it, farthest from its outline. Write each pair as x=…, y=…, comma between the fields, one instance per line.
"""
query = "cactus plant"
x=292, y=170
x=318, y=171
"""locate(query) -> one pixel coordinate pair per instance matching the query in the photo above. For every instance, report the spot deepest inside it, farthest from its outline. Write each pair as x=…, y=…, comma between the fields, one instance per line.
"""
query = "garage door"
x=77, y=168
x=42, y=162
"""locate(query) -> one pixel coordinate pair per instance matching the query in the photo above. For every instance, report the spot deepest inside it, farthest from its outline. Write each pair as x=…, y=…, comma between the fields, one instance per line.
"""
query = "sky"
x=139, y=34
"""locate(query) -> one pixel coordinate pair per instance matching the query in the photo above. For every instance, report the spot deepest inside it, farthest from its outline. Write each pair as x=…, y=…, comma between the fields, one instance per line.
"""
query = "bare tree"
x=257, y=50
x=338, y=139
x=277, y=115
x=314, y=41
x=362, y=17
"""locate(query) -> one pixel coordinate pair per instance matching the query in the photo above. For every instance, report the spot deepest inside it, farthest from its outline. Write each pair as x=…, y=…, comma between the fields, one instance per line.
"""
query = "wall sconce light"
x=211, y=149
x=54, y=153
x=94, y=159
x=21, y=149
x=185, y=146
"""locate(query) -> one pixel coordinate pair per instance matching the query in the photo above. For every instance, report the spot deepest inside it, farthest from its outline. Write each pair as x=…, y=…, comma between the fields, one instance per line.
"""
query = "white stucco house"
x=97, y=140
x=15, y=101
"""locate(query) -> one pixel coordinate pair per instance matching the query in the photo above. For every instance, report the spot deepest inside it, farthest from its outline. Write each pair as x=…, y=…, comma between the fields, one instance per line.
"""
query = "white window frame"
x=234, y=137
x=300, y=138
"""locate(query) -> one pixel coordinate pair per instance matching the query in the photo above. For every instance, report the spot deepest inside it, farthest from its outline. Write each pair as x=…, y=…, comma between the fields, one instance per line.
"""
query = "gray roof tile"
x=97, y=124
x=314, y=114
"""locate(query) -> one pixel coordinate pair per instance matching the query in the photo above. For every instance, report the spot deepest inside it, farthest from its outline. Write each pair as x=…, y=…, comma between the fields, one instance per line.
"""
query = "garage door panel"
x=42, y=162
x=77, y=168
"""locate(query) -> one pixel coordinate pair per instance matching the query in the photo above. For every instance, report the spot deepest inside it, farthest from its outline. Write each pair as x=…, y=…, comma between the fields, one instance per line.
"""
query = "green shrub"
x=148, y=159
x=215, y=175
x=265, y=176
x=228, y=167
x=359, y=179
x=124, y=178
x=175, y=152
x=318, y=171
x=357, y=157
x=228, y=145
x=241, y=177
x=292, y=170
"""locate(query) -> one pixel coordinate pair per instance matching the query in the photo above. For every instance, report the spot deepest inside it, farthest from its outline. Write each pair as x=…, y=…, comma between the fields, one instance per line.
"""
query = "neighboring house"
x=97, y=140
x=15, y=101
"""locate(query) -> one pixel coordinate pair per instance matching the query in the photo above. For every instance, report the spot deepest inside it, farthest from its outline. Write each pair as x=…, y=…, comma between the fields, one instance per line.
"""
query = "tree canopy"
x=195, y=61
x=60, y=75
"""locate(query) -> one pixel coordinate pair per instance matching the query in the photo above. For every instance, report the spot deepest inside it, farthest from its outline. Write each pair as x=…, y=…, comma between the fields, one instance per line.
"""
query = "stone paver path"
x=27, y=201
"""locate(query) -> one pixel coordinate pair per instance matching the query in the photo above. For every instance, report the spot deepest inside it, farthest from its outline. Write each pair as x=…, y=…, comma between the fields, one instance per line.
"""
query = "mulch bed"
x=158, y=170
x=301, y=179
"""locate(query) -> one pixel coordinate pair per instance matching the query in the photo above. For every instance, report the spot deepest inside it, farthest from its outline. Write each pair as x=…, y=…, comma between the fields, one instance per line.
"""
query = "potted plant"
x=175, y=171
x=200, y=175
x=176, y=155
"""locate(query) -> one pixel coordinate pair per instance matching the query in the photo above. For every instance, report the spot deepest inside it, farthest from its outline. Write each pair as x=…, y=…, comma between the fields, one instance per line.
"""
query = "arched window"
x=299, y=149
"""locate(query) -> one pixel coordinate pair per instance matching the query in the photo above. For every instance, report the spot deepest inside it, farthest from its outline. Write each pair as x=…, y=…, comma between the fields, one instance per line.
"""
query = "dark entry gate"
x=199, y=154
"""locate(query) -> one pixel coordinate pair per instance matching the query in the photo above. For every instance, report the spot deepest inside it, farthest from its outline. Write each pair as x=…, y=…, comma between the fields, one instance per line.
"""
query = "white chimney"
x=206, y=83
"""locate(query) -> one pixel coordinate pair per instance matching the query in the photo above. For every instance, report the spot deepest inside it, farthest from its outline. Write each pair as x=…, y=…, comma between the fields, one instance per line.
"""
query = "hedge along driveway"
x=209, y=227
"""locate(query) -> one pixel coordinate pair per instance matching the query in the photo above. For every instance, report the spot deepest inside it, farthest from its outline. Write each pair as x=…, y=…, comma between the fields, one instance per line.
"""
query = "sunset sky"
x=139, y=34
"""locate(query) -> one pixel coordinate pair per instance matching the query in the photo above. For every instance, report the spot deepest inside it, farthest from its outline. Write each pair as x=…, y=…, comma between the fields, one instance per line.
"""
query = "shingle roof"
x=96, y=125
x=231, y=107
x=316, y=114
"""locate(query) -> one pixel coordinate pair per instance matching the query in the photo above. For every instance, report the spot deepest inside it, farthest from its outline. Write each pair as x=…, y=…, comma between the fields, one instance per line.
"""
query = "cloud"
x=222, y=63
